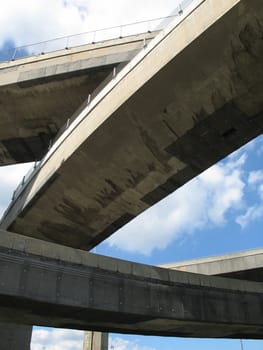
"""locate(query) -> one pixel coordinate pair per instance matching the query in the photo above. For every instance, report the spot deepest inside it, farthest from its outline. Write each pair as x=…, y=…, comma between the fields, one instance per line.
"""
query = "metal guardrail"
x=32, y=172
x=91, y=37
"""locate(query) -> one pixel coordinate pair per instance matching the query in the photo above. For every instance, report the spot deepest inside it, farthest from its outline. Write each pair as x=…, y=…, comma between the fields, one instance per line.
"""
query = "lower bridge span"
x=47, y=284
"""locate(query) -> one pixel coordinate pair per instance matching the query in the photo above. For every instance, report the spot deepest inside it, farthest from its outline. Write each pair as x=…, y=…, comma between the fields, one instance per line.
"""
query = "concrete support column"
x=15, y=337
x=95, y=341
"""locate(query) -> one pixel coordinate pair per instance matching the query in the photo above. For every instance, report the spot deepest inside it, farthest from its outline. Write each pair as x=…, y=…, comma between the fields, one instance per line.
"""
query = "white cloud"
x=260, y=150
x=260, y=191
x=124, y=344
x=204, y=201
x=31, y=21
x=252, y=213
x=56, y=339
x=65, y=339
x=10, y=177
x=255, y=177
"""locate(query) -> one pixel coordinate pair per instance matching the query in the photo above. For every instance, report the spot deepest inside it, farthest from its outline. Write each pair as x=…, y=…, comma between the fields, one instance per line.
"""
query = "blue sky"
x=221, y=211
x=218, y=212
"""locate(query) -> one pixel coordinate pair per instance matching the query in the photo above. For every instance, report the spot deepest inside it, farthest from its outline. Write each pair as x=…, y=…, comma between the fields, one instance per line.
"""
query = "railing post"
x=43, y=48
x=94, y=34
x=180, y=10
x=148, y=27
x=67, y=43
x=94, y=37
x=144, y=42
x=89, y=98
x=14, y=55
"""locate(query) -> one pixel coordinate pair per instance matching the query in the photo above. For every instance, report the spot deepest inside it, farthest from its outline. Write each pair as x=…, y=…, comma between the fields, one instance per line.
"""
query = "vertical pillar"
x=95, y=341
x=15, y=337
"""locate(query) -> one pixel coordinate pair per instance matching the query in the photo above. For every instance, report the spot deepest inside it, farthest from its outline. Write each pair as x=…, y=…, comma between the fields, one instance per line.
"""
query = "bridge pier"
x=95, y=341
x=18, y=337
x=15, y=337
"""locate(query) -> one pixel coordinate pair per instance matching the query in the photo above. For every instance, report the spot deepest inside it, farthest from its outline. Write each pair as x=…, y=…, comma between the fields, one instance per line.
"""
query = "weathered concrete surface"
x=46, y=284
x=95, y=341
x=15, y=336
x=192, y=97
x=245, y=265
x=38, y=94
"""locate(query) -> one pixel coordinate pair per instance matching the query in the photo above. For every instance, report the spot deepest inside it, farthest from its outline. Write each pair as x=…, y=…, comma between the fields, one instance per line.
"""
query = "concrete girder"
x=244, y=265
x=47, y=284
x=160, y=123
x=38, y=94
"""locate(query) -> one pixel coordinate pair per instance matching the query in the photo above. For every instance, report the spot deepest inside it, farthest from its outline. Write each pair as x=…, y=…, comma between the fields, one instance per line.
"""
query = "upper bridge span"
x=187, y=100
x=39, y=93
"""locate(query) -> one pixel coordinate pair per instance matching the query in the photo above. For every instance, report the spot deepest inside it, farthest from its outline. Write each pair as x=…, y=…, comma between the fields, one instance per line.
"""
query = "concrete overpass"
x=47, y=284
x=255, y=50
x=245, y=265
x=39, y=93
x=188, y=99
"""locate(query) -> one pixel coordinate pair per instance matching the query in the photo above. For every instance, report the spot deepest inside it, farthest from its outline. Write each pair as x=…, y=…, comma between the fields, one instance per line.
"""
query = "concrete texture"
x=161, y=122
x=95, y=341
x=38, y=94
x=246, y=265
x=46, y=284
x=15, y=336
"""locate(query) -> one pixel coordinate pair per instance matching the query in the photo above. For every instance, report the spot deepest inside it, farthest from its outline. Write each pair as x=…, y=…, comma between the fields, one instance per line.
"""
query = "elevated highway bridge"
x=188, y=99
x=64, y=287
x=27, y=257
x=39, y=93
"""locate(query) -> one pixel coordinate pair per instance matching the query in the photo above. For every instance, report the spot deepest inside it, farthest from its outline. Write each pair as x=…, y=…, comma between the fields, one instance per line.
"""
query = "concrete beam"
x=245, y=265
x=68, y=63
x=39, y=93
x=163, y=120
x=51, y=285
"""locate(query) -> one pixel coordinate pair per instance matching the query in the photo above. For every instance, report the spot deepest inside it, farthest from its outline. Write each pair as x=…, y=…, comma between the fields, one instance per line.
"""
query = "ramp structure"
x=190, y=97
x=58, y=286
x=38, y=94
x=245, y=265
x=187, y=100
